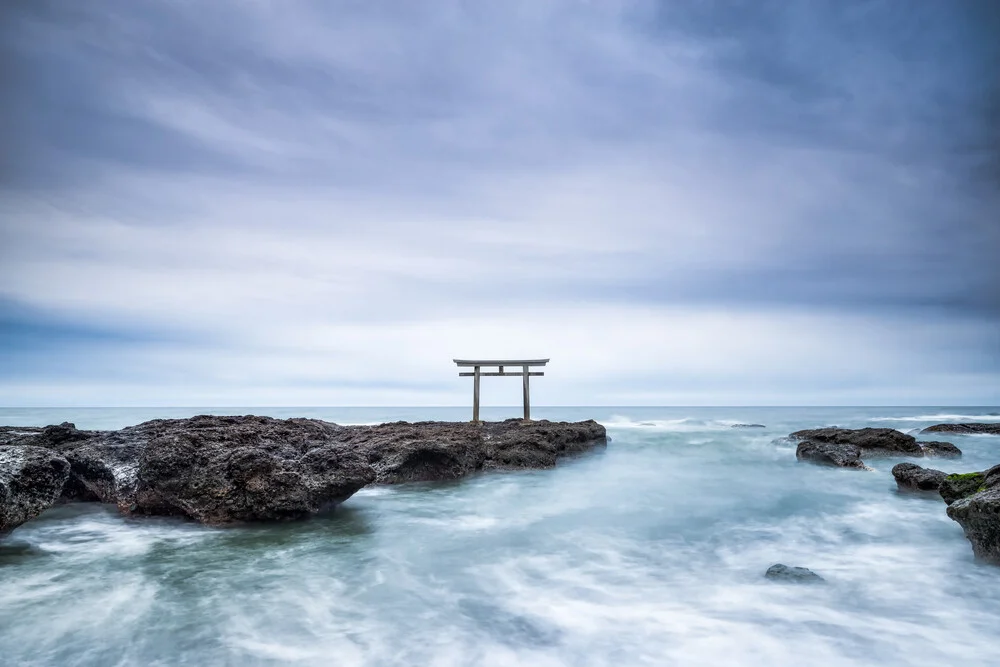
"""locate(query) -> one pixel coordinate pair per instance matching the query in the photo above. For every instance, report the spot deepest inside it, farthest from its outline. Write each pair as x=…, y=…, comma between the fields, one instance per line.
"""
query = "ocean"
x=651, y=552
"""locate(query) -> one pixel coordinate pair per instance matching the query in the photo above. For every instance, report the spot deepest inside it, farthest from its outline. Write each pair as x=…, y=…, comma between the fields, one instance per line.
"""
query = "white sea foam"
x=940, y=418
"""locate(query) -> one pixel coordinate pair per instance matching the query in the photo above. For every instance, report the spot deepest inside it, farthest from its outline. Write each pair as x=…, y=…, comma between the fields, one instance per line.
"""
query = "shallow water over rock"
x=647, y=553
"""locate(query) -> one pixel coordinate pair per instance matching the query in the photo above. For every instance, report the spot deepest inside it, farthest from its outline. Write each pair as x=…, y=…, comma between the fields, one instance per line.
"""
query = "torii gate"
x=477, y=373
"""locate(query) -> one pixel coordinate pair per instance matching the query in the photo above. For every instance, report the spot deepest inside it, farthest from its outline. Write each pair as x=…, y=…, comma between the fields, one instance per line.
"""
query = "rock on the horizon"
x=910, y=476
x=798, y=575
x=943, y=450
x=979, y=516
x=971, y=428
x=31, y=479
x=748, y=426
x=824, y=453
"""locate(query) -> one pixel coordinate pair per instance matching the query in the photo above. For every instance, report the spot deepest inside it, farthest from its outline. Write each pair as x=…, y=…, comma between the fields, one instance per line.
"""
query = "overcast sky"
x=244, y=202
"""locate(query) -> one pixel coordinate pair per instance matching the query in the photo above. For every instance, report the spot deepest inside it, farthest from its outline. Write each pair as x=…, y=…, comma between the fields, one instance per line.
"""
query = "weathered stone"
x=225, y=469
x=825, y=453
x=988, y=428
x=871, y=441
x=911, y=477
x=796, y=575
x=31, y=479
x=979, y=516
x=959, y=485
x=943, y=450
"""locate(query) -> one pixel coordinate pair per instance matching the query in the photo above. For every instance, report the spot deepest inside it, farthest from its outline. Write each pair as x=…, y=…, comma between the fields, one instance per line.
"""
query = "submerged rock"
x=31, y=479
x=798, y=575
x=979, y=516
x=825, y=453
x=989, y=428
x=910, y=476
x=944, y=450
x=748, y=426
x=220, y=470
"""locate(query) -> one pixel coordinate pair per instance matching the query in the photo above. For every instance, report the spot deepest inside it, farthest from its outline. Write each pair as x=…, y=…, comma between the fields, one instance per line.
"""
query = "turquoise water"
x=649, y=553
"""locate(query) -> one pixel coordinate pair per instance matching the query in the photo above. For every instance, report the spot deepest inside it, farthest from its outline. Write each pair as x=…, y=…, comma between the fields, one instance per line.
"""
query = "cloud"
x=247, y=202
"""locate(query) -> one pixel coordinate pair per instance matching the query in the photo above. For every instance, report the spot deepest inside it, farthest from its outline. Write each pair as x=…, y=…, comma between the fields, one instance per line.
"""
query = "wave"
x=686, y=425
x=990, y=417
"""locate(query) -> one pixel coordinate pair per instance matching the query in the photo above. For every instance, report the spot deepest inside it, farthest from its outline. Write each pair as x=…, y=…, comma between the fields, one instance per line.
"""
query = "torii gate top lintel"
x=478, y=364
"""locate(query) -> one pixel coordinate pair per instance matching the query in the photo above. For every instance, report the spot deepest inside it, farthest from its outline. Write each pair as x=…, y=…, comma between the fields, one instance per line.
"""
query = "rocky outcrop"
x=426, y=451
x=911, y=477
x=943, y=450
x=960, y=485
x=845, y=447
x=795, y=575
x=748, y=426
x=227, y=469
x=871, y=441
x=979, y=516
x=971, y=428
x=31, y=479
x=830, y=454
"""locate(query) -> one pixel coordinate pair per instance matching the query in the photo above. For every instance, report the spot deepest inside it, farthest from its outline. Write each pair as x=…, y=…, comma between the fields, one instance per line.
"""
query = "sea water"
x=648, y=553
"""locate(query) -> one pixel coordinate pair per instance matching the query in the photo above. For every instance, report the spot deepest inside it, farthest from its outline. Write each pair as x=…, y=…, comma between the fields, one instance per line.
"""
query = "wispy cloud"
x=320, y=202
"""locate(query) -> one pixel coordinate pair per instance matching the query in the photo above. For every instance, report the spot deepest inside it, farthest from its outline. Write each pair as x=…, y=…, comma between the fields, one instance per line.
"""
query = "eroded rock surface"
x=911, y=477
x=790, y=574
x=845, y=447
x=830, y=454
x=228, y=469
x=31, y=479
x=979, y=516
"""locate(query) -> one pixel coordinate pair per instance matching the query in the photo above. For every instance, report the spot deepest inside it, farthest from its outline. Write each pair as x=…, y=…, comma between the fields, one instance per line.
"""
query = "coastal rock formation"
x=830, y=454
x=944, y=450
x=960, y=485
x=910, y=476
x=991, y=429
x=979, y=516
x=845, y=447
x=31, y=479
x=797, y=575
x=871, y=441
x=220, y=470
x=748, y=426
x=425, y=451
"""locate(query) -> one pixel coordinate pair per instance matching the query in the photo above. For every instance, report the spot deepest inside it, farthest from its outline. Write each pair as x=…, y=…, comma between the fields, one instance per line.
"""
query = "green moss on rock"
x=960, y=485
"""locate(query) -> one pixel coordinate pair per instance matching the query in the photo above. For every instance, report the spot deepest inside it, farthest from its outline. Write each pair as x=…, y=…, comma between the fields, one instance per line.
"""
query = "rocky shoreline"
x=219, y=470
x=972, y=499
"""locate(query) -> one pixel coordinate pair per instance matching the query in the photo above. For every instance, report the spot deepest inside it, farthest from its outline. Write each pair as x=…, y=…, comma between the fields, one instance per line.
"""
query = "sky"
x=323, y=202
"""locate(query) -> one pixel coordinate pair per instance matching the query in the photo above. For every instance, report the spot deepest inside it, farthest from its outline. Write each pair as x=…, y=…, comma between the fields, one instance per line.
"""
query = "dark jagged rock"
x=911, y=477
x=748, y=426
x=871, y=441
x=979, y=516
x=943, y=450
x=991, y=429
x=226, y=469
x=31, y=479
x=959, y=485
x=825, y=453
x=426, y=451
x=796, y=575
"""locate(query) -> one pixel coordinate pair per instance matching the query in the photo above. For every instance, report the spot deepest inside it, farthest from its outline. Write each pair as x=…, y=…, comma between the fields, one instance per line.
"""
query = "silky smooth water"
x=649, y=553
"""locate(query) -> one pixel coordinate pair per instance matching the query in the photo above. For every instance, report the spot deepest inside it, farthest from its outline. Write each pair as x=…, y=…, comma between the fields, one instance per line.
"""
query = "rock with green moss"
x=960, y=485
x=979, y=516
